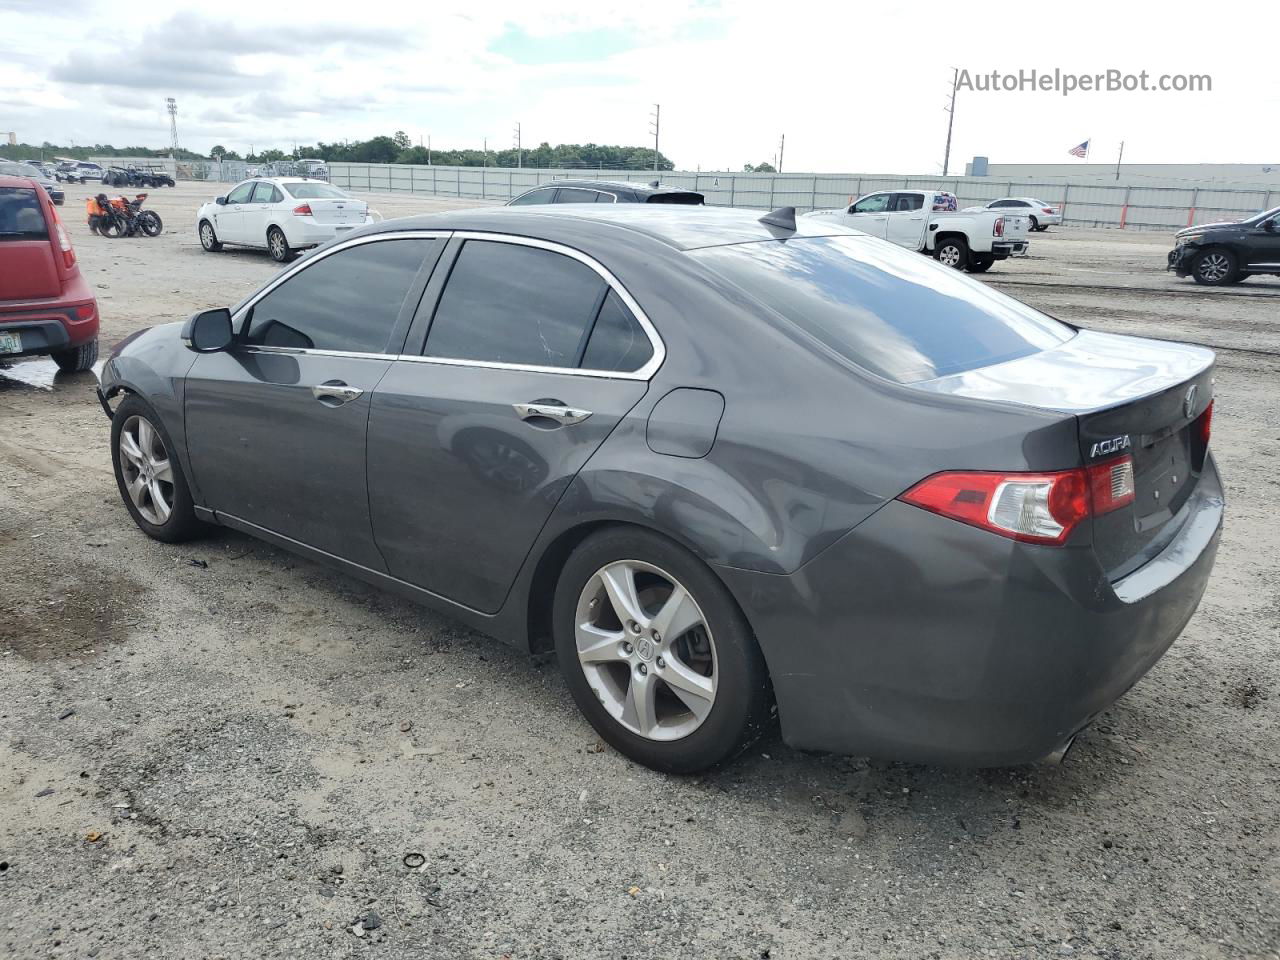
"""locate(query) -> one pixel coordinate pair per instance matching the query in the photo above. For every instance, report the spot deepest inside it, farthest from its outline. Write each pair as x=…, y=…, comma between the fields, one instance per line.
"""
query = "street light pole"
x=951, y=118
x=519, y=150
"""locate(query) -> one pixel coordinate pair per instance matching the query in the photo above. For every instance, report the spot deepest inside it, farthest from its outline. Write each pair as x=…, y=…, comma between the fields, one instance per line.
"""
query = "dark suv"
x=1217, y=254
x=605, y=191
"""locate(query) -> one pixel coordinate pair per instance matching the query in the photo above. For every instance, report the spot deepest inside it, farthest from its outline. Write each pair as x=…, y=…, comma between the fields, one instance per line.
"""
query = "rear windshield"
x=687, y=199
x=14, y=169
x=888, y=310
x=315, y=191
x=20, y=215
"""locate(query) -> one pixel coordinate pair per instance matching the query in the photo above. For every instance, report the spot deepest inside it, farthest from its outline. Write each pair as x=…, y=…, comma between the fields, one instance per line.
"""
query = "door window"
x=905, y=202
x=241, y=193
x=876, y=203
x=574, y=195
x=511, y=303
x=533, y=196
x=267, y=193
x=348, y=301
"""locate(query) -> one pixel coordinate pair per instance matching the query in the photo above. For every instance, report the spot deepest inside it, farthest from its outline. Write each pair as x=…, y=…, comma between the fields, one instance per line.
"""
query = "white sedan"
x=279, y=214
x=1042, y=215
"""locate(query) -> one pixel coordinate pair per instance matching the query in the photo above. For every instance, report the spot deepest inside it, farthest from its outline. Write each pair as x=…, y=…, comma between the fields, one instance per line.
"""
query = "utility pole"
x=486, y=152
x=172, y=106
x=519, y=149
x=951, y=119
x=782, y=145
x=429, y=151
x=655, y=124
x=1118, y=159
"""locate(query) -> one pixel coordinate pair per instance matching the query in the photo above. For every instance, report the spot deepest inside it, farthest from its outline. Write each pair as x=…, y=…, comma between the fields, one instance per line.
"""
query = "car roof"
x=680, y=227
x=644, y=189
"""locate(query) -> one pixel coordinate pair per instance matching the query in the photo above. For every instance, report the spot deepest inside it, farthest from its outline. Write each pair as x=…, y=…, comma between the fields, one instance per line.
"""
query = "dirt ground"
x=221, y=750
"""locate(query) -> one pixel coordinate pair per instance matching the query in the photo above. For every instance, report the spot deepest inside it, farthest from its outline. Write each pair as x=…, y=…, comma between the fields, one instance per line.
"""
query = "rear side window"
x=20, y=215
x=348, y=301
x=617, y=342
x=574, y=195
x=510, y=303
x=886, y=309
x=267, y=193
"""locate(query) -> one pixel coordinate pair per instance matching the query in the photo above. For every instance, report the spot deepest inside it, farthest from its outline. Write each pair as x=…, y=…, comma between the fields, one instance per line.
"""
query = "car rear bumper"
x=923, y=639
x=303, y=232
x=1009, y=248
x=48, y=328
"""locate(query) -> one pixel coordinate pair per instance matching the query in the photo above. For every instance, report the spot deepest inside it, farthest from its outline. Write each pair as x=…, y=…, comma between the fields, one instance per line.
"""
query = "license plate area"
x=10, y=343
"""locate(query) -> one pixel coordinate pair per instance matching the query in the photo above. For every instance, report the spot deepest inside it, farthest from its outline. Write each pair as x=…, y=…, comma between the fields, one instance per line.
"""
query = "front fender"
x=154, y=364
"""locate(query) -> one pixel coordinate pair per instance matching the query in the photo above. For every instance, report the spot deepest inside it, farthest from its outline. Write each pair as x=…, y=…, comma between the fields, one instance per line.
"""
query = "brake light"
x=64, y=242
x=302, y=211
x=1048, y=209
x=1204, y=423
x=1031, y=507
x=998, y=229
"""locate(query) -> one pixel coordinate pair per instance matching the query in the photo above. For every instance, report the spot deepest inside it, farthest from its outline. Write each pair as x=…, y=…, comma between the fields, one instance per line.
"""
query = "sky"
x=852, y=88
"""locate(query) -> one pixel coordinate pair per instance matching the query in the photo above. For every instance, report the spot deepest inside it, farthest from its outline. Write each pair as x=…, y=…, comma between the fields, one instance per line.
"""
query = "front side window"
x=241, y=193
x=533, y=196
x=511, y=303
x=885, y=309
x=876, y=203
x=348, y=301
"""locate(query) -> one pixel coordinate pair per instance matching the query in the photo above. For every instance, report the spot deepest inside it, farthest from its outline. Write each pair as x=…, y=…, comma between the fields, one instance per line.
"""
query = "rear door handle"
x=334, y=393
x=551, y=410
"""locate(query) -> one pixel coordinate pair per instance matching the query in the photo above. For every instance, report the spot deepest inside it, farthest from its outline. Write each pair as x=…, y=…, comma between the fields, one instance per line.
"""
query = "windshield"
x=14, y=169
x=1264, y=215
x=888, y=310
x=20, y=215
x=315, y=191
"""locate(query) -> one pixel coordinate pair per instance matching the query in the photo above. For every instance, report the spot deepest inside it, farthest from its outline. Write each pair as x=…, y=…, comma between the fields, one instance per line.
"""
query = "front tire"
x=1035, y=224
x=208, y=238
x=150, y=224
x=278, y=246
x=657, y=654
x=77, y=359
x=1214, y=267
x=149, y=475
x=952, y=252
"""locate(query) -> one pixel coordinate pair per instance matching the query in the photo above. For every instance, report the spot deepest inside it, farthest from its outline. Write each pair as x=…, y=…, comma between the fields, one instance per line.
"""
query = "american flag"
x=1081, y=151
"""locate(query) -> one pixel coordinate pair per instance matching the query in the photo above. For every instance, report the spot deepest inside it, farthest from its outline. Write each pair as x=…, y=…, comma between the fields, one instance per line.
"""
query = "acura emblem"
x=1189, y=402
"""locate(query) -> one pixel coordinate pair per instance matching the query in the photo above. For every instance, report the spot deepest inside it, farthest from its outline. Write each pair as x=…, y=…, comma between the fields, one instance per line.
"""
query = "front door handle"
x=334, y=393
x=551, y=410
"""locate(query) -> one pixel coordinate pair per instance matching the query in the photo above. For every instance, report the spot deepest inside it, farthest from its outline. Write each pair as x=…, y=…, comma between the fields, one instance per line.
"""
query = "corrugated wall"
x=1129, y=205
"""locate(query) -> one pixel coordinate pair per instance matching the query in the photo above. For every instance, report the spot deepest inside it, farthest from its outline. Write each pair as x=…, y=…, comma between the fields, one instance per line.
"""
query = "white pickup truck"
x=927, y=221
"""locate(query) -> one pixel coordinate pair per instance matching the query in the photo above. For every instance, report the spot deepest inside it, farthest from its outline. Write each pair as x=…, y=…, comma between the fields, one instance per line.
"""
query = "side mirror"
x=209, y=331
x=220, y=201
x=1271, y=226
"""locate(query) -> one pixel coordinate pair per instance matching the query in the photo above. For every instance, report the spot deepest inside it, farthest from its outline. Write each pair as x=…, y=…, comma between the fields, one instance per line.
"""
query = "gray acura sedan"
x=717, y=461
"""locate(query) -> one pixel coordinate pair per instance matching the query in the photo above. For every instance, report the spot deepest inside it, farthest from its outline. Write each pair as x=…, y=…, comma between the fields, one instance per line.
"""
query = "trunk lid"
x=338, y=211
x=1140, y=398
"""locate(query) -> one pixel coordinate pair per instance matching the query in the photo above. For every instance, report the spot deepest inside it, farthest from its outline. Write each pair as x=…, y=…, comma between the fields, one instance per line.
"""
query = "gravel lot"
x=221, y=750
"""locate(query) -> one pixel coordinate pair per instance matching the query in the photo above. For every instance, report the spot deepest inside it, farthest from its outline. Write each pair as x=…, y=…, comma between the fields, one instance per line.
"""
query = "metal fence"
x=1122, y=205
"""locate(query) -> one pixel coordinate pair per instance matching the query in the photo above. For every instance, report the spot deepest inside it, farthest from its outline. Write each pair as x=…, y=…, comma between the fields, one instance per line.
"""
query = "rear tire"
x=981, y=262
x=1215, y=267
x=146, y=464
x=952, y=252
x=278, y=246
x=709, y=695
x=208, y=238
x=77, y=359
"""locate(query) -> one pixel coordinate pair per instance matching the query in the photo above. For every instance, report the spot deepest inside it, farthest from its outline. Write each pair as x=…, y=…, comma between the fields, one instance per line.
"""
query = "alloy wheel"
x=646, y=650
x=147, y=470
x=206, y=236
x=1214, y=267
x=949, y=256
x=277, y=245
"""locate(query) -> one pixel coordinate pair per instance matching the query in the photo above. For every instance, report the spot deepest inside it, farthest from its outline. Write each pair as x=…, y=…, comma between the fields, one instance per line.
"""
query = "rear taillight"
x=998, y=229
x=302, y=211
x=1048, y=209
x=1111, y=484
x=64, y=243
x=1032, y=507
x=1204, y=424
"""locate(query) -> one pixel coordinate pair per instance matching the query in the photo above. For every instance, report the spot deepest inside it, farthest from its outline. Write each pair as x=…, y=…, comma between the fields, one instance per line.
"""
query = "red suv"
x=45, y=305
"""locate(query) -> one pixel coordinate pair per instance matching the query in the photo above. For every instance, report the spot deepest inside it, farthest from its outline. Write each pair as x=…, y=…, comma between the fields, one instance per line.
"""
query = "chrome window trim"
x=645, y=372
